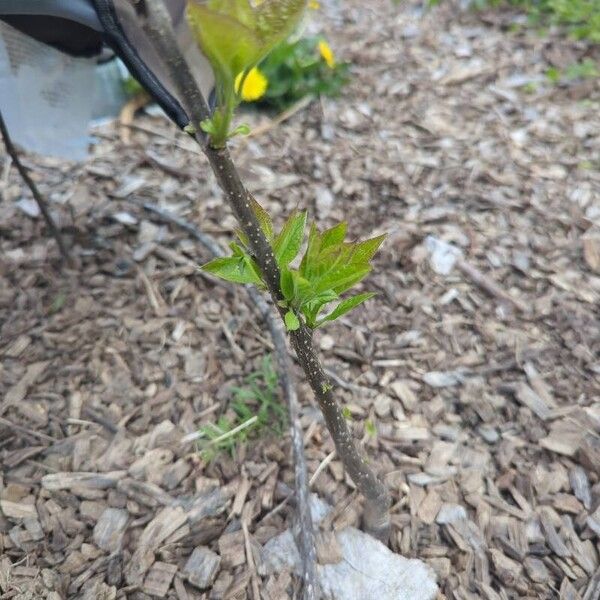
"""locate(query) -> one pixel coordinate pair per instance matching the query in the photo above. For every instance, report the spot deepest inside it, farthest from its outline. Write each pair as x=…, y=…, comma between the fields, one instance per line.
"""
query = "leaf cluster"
x=235, y=35
x=330, y=266
x=580, y=17
x=295, y=69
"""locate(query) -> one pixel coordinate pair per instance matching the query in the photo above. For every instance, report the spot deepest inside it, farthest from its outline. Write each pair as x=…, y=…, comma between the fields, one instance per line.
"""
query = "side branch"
x=40, y=200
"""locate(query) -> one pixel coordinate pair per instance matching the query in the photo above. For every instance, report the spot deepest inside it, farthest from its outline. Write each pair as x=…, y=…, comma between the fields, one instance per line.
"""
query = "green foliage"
x=132, y=87
x=235, y=35
x=296, y=69
x=256, y=407
x=586, y=69
x=370, y=429
x=581, y=17
x=329, y=268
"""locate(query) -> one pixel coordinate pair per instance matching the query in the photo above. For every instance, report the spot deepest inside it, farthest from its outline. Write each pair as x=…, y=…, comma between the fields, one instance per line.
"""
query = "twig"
x=206, y=240
x=281, y=118
x=41, y=202
x=376, y=516
x=322, y=466
x=250, y=561
x=490, y=286
x=25, y=430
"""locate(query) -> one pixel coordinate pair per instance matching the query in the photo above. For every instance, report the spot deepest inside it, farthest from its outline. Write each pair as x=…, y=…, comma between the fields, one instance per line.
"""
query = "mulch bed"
x=487, y=410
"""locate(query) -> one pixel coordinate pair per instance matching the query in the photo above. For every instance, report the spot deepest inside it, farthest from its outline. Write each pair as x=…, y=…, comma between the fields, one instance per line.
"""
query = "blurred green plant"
x=330, y=267
x=255, y=407
x=586, y=69
x=300, y=68
x=235, y=35
x=132, y=87
x=580, y=17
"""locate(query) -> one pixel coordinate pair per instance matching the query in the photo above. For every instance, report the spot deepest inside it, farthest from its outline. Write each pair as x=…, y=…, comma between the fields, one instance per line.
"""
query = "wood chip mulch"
x=483, y=384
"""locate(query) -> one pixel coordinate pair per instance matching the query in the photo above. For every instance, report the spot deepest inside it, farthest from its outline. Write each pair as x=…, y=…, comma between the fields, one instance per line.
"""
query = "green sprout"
x=235, y=35
x=330, y=267
x=256, y=407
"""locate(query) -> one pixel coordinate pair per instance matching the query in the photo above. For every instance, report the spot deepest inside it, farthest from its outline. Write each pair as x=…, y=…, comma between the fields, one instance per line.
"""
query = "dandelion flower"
x=314, y=4
x=327, y=54
x=254, y=85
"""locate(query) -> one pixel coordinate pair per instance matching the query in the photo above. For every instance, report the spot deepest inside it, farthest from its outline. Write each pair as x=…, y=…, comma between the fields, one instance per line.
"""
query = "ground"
x=485, y=401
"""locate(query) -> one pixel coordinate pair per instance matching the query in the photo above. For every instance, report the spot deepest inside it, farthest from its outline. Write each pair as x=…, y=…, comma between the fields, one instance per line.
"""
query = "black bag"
x=89, y=27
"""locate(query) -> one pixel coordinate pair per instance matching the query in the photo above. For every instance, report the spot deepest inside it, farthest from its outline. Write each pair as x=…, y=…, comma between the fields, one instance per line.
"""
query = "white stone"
x=368, y=568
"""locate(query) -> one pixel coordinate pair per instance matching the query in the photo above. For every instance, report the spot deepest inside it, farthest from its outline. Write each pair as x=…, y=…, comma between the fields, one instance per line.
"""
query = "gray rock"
x=368, y=569
x=202, y=567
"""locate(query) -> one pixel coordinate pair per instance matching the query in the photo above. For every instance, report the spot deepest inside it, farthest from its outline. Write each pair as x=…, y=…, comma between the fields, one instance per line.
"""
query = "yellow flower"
x=314, y=4
x=327, y=54
x=254, y=86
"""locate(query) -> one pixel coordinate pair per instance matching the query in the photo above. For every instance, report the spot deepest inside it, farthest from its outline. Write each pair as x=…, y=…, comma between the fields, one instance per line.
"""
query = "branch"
x=376, y=517
x=41, y=202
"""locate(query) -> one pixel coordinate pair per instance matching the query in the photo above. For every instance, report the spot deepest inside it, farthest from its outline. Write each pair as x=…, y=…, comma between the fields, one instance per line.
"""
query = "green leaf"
x=334, y=236
x=341, y=278
x=229, y=44
x=263, y=217
x=236, y=249
x=292, y=322
x=287, y=244
x=312, y=251
x=242, y=237
x=235, y=269
x=345, y=306
x=242, y=129
x=343, y=285
x=208, y=126
x=286, y=283
x=234, y=35
x=276, y=19
x=312, y=307
x=363, y=252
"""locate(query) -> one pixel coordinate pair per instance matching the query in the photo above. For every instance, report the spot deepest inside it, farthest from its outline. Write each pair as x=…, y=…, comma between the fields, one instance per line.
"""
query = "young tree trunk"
x=377, y=498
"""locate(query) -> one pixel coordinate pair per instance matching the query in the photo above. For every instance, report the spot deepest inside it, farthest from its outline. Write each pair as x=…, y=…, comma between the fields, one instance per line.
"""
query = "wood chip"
x=405, y=394
x=18, y=392
x=202, y=567
x=158, y=579
x=526, y=396
x=17, y=510
x=589, y=452
x=110, y=529
x=429, y=507
x=65, y=481
x=552, y=537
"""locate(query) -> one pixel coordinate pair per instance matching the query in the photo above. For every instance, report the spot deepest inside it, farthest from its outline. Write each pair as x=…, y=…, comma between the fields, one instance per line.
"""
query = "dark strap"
x=79, y=11
x=63, y=34
x=117, y=40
